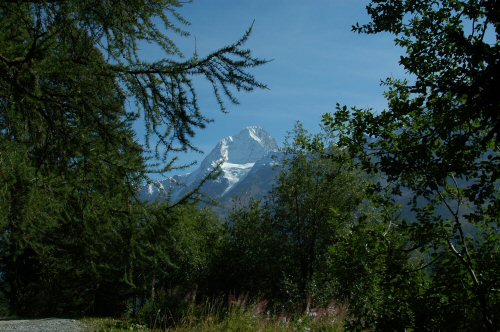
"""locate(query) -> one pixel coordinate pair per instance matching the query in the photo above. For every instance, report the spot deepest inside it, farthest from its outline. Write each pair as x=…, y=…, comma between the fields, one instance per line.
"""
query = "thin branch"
x=467, y=259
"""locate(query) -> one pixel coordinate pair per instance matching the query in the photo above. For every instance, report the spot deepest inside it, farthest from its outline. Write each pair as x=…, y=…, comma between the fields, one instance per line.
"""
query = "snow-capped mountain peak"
x=237, y=156
x=248, y=146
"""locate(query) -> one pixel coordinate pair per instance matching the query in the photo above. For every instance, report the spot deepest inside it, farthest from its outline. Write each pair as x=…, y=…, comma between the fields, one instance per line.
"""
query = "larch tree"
x=70, y=164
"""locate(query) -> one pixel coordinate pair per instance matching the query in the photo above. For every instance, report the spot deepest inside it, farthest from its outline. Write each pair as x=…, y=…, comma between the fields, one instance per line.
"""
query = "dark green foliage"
x=178, y=246
x=177, y=249
x=70, y=168
x=73, y=238
x=313, y=194
x=438, y=144
x=63, y=233
x=279, y=249
x=163, y=91
x=253, y=257
x=369, y=266
x=62, y=238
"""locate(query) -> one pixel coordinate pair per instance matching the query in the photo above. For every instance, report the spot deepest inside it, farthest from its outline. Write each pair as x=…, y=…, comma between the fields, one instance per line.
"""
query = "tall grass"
x=254, y=317
x=235, y=314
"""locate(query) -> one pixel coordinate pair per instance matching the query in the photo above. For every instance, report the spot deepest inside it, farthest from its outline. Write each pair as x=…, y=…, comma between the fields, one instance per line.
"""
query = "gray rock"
x=39, y=325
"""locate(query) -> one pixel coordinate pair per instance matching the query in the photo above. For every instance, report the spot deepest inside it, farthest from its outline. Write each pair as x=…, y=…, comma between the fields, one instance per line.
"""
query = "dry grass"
x=237, y=315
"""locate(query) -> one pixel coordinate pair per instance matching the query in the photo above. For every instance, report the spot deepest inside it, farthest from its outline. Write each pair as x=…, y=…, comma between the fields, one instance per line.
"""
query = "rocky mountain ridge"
x=248, y=167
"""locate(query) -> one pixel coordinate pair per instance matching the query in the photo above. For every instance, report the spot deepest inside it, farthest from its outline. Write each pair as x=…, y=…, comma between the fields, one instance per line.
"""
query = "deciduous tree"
x=438, y=142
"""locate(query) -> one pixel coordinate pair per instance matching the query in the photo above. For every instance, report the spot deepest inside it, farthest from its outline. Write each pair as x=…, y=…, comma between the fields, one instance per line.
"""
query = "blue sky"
x=317, y=62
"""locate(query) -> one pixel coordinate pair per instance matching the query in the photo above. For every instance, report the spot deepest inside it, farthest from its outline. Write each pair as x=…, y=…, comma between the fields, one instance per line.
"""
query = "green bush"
x=163, y=311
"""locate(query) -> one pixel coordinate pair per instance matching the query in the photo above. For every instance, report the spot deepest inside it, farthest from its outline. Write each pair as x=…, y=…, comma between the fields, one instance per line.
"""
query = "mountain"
x=248, y=162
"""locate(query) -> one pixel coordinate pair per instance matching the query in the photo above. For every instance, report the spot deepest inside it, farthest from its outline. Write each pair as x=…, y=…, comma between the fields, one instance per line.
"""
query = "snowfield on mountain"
x=247, y=161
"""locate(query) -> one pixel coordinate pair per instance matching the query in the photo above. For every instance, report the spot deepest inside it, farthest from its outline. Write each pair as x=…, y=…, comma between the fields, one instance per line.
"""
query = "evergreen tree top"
x=163, y=91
